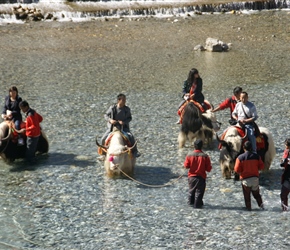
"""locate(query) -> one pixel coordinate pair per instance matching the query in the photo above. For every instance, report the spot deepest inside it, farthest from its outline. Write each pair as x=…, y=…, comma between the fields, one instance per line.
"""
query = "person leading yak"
x=32, y=130
x=192, y=89
x=246, y=114
x=230, y=103
x=119, y=115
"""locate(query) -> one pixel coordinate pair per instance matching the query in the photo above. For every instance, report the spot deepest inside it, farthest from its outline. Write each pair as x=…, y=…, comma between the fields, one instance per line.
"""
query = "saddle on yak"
x=261, y=140
x=181, y=109
x=102, y=151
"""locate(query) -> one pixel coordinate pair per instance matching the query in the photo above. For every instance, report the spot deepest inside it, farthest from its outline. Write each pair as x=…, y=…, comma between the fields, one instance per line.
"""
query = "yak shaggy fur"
x=232, y=147
x=9, y=150
x=118, y=157
x=197, y=125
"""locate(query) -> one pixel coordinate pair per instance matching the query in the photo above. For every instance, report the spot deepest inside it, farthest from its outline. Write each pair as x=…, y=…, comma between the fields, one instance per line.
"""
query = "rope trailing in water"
x=155, y=186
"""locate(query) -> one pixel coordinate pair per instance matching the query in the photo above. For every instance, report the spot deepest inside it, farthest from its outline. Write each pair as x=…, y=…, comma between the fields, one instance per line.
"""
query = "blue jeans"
x=17, y=124
x=251, y=136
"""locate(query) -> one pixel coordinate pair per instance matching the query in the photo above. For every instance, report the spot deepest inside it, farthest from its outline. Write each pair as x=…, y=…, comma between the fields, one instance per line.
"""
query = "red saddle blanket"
x=125, y=137
x=260, y=139
x=180, y=111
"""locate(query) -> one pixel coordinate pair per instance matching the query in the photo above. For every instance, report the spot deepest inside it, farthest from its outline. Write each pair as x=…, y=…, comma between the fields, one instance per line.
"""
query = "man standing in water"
x=119, y=115
x=230, y=103
x=198, y=163
x=247, y=166
x=32, y=130
x=245, y=113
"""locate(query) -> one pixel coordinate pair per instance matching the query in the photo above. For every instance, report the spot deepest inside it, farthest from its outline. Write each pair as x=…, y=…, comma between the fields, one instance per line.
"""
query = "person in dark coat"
x=285, y=179
x=192, y=90
x=11, y=110
x=192, y=87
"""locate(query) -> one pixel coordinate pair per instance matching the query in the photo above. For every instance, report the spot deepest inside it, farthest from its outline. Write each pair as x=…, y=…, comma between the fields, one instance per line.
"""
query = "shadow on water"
x=156, y=177
x=271, y=179
x=52, y=160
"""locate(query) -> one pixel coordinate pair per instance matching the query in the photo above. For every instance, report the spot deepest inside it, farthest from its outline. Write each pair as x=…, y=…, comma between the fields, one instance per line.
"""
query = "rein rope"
x=153, y=186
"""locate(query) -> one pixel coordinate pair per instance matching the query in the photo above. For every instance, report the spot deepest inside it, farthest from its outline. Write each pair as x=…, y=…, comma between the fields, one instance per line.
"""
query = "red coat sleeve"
x=208, y=165
x=225, y=104
x=238, y=166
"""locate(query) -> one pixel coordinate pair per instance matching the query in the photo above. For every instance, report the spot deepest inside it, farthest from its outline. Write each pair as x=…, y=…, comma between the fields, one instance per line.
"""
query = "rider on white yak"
x=234, y=137
x=119, y=115
x=246, y=114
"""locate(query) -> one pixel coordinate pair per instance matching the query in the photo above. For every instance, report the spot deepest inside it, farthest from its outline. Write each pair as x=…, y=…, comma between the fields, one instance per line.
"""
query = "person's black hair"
x=237, y=90
x=13, y=88
x=192, y=72
x=287, y=142
x=24, y=104
x=120, y=96
x=245, y=93
x=198, y=144
x=248, y=146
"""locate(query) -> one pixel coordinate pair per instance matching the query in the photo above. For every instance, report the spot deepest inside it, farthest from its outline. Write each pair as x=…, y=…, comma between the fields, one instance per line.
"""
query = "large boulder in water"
x=215, y=45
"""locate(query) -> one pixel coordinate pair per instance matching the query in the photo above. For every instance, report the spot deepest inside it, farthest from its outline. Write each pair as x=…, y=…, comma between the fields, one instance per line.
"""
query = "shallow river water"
x=71, y=72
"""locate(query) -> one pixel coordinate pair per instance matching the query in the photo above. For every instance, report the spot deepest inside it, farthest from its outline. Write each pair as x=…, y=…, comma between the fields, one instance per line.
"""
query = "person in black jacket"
x=11, y=110
x=285, y=180
x=192, y=87
x=192, y=90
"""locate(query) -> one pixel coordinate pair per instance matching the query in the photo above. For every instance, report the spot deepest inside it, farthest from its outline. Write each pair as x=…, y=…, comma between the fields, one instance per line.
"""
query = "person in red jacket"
x=198, y=163
x=247, y=165
x=230, y=103
x=285, y=179
x=32, y=130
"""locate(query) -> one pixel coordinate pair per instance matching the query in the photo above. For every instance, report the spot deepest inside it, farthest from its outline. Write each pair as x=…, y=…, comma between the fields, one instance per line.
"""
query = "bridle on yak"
x=105, y=148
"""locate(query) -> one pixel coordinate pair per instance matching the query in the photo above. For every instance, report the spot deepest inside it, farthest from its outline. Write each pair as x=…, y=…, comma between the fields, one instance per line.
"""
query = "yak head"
x=209, y=120
x=230, y=148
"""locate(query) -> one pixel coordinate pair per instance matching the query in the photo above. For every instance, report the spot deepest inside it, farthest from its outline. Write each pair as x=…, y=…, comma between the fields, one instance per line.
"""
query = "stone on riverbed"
x=213, y=45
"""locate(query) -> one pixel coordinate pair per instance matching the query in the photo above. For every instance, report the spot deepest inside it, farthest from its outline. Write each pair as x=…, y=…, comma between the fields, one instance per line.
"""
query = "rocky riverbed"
x=71, y=72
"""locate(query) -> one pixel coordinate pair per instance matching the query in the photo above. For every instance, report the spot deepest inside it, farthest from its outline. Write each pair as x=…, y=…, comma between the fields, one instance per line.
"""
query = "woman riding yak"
x=192, y=91
x=11, y=110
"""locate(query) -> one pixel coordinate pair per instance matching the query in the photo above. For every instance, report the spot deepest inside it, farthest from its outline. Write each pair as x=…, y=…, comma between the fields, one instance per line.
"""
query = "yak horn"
x=8, y=136
x=130, y=148
x=222, y=142
x=101, y=146
x=217, y=137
